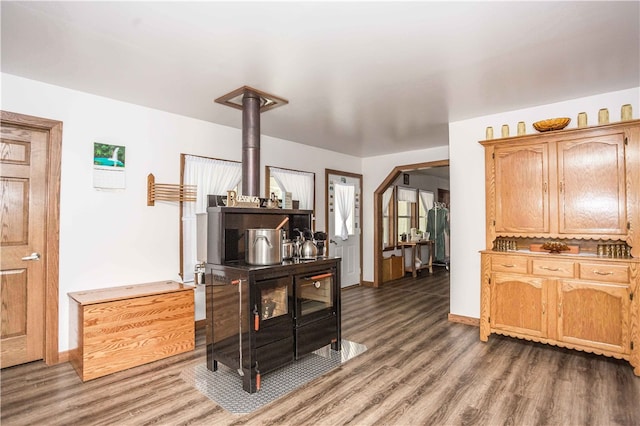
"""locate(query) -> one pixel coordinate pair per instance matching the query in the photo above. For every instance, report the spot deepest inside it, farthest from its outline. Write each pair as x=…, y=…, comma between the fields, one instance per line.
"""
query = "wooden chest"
x=392, y=268
x=116, y=328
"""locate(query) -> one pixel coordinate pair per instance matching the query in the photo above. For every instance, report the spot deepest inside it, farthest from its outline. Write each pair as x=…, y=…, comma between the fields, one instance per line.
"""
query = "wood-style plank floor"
x=419, y=369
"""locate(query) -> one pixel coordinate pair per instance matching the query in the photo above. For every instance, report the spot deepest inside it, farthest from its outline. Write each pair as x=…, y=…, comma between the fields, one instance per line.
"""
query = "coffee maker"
x=321, y=242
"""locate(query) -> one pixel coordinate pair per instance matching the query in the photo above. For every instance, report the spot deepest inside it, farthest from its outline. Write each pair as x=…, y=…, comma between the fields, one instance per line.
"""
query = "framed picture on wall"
x=406, y=179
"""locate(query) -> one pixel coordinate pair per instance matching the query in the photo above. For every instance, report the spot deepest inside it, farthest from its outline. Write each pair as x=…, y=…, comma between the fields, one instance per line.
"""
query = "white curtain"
x=299, y=184
x=212, y=177
x=407, y=194
x=344, y=199
x=427, y=200
x=386, y=197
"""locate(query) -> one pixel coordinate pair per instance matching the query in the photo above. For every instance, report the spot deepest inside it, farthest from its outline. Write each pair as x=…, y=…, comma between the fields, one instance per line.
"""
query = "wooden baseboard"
x=63, y=356
x=464, y=320
x=367, y=284
x=201, y=324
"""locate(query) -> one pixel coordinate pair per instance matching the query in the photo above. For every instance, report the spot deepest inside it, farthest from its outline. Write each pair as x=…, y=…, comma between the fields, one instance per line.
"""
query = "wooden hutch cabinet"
x=568, y=184
x=580, y=187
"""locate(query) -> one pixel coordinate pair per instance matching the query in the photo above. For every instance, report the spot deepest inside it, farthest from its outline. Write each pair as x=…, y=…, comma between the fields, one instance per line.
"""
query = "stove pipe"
x=252, y=102
x=251, y=144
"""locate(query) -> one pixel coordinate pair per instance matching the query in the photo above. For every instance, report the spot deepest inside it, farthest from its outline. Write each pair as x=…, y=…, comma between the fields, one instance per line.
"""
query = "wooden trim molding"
x=65, y=356
x=464, y=320
x=52, y=260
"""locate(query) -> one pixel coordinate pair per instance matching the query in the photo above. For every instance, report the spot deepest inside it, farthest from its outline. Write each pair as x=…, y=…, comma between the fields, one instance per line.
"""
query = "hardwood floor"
x=419, y=369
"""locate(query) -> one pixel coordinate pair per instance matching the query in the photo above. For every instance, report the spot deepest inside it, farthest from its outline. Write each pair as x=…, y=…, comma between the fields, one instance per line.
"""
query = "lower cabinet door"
x=594, y=315
x=315, y=335
x=519, y=304
x=274, y=355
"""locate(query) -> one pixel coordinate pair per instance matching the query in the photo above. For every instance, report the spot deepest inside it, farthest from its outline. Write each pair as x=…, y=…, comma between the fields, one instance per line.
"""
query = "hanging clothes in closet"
x=437, y=226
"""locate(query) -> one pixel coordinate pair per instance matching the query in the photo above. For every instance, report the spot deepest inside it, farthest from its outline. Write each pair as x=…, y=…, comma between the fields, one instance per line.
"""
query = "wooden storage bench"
x=392, y=268
x=116, y=328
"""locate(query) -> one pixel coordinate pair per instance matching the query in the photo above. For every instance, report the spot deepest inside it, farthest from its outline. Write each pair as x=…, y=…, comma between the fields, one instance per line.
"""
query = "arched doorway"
x=377, y=202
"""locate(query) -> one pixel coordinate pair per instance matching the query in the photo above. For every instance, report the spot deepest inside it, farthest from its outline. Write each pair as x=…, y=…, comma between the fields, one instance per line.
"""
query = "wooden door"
x=519, y=304
x=522, y=189
x=595, y=315
x=23, y=195
x=591, y=186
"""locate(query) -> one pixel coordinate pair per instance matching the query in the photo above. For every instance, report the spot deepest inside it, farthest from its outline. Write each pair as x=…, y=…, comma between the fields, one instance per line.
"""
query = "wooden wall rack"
x=168, y=191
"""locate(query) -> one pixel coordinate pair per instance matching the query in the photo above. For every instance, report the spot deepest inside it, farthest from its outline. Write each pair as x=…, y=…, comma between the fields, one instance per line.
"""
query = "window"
x=387, y=214
x=300, y=184
x=405, y=217
x=212, y=177
x=344, y=219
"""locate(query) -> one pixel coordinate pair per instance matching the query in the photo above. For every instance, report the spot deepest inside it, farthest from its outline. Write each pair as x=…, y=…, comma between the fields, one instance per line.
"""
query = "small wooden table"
x=416, y=252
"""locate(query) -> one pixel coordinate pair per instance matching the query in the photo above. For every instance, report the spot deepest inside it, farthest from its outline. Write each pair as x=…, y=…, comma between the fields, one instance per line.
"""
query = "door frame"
x=358, y=176
x=52, y=224
x=377, y=216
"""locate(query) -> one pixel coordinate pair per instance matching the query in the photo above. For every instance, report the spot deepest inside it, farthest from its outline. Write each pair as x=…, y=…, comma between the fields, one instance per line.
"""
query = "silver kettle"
x=309, y=250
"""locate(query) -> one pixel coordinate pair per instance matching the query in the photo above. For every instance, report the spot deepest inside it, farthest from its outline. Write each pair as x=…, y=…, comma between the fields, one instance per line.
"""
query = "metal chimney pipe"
x=251, y=144
x=254, y=102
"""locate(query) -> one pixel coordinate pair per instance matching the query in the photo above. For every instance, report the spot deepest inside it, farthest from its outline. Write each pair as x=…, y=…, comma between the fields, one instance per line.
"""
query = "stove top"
x=296, y=261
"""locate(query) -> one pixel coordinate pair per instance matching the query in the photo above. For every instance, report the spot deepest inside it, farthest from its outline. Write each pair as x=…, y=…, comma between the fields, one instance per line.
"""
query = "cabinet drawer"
x=516, y=264
x=553, y=268
x=273, y=330
x=604, y=272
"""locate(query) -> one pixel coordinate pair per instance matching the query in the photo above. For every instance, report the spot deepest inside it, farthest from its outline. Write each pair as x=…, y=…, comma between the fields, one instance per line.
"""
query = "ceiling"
x=361, y=78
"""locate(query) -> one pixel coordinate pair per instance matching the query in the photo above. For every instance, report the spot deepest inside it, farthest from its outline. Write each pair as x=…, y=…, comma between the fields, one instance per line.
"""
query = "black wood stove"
x=260, y=318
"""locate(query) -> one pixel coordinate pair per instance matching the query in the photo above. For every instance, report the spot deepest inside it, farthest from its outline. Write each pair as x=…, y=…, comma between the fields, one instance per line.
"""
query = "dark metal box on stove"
x=227, y=226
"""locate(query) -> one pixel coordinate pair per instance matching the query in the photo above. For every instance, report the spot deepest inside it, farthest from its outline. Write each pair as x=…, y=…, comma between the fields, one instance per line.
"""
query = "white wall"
x=467, y=182
x=110, y=238
x=375, y=170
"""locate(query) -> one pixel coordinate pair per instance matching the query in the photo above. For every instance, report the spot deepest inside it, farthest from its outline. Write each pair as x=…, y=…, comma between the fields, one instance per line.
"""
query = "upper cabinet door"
x=522, y=189
x=591, y=186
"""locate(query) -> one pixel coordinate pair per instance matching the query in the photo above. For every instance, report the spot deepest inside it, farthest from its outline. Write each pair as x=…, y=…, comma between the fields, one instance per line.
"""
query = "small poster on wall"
x=108, y=166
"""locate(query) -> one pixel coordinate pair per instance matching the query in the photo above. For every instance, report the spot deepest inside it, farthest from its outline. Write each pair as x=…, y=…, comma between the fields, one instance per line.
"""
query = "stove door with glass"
x=316, y=312
x=272, y=322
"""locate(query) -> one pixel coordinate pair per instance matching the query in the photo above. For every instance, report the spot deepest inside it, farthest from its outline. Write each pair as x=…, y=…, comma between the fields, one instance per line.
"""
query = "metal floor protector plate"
x=224, y=387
